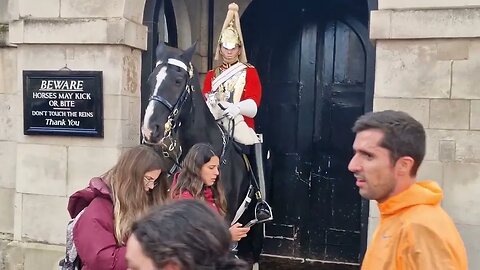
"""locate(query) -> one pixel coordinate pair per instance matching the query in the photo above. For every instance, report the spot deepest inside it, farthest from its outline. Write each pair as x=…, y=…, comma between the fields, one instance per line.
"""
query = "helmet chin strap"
x=230, y=62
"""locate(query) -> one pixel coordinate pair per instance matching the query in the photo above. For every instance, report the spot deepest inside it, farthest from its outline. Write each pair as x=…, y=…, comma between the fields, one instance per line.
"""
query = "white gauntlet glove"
x=246, y=107
x=231, y=110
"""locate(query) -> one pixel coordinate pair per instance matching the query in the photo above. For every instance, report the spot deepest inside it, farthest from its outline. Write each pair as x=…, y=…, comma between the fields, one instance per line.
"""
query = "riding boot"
x=257, y=166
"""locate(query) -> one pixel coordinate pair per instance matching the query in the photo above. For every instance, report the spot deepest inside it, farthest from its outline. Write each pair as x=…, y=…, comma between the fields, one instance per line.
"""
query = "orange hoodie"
x=415, y=233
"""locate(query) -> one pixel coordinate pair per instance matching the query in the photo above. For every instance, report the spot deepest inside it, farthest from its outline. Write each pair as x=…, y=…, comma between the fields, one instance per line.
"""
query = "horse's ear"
x=188, y=53
x=160, y=49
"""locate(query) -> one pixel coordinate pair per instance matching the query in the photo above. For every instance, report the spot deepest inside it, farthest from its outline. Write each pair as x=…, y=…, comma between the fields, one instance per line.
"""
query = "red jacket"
x=93, y=233
x=252, y=89
x=207, y=193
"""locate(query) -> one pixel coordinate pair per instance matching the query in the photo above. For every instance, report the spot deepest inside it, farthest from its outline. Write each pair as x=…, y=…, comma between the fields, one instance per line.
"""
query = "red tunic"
x=252, y=90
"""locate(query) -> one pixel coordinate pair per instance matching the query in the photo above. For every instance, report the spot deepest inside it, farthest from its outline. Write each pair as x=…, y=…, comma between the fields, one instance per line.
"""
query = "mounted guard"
x=233, y=93
x=177, y=117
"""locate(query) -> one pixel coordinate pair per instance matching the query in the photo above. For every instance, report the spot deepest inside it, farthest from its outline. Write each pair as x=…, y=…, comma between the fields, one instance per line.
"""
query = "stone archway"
x=164, y=18
x=182, y=19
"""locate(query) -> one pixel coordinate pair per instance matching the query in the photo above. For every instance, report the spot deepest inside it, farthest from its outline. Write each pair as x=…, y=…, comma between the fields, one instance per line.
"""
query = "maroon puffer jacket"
x=93, y=233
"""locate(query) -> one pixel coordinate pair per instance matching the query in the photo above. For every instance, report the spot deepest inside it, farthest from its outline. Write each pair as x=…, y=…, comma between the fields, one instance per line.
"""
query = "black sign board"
x=63, y=103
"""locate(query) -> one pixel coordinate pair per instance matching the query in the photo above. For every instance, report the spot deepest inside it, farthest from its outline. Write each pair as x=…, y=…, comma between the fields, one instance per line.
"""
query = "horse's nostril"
x=146, y=133
x=155, y=133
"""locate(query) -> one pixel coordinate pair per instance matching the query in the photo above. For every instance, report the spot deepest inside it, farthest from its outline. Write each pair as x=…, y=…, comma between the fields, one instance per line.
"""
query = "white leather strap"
x=227, y=74
x=177, y=63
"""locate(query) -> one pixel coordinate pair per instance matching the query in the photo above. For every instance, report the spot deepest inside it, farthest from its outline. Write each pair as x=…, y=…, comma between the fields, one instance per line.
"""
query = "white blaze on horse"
x=177, y=117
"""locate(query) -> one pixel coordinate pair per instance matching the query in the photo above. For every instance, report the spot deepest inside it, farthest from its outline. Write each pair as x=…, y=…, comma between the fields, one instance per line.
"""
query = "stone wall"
x=8, y=146
x=428, y=55
x=39, y=172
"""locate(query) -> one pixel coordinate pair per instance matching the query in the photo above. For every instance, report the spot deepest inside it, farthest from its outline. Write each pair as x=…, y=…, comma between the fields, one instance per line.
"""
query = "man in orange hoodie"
x=414, y=231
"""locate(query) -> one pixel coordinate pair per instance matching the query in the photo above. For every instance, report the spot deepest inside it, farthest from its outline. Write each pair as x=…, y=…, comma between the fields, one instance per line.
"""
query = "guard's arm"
x=247, y=108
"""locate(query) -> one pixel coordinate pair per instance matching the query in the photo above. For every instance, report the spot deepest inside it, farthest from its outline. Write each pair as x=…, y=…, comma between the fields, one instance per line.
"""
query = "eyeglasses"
x=147, y=180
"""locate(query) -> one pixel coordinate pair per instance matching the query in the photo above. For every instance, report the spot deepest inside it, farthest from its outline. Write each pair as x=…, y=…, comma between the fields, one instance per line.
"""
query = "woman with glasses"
x=200, y=179
x=111, y=203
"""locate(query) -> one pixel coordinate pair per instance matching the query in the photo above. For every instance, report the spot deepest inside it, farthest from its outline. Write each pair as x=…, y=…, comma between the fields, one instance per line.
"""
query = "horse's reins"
x=253, y=189
x=230, y=131
x=172, y=122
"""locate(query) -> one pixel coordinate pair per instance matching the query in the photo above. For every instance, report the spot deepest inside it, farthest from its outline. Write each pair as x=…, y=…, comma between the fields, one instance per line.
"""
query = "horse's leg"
x=256, y=233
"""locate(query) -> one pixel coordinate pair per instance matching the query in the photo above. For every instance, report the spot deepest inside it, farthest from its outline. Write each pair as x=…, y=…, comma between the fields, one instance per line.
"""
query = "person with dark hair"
x=414, y=231
x=111, y=203
x=199, y=179
x=183, y=235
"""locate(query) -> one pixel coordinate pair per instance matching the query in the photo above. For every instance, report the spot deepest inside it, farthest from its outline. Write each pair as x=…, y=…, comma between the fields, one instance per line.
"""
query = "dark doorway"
x=159, y=18
x=316, y=67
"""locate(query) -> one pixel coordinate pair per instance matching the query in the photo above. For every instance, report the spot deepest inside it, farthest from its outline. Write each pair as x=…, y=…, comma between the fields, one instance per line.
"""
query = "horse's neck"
x=198, y=124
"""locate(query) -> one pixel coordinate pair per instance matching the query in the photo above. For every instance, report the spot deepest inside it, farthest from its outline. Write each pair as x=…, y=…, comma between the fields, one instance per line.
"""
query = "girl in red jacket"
x=200, y=179
x=111, y=204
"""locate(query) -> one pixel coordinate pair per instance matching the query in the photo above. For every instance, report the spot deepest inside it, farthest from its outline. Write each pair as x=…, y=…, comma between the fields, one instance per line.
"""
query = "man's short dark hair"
x=188, y=233
x=403, y=135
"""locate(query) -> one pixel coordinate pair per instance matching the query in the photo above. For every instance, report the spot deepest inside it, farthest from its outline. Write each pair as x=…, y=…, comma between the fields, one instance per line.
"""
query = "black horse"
x=177, y=117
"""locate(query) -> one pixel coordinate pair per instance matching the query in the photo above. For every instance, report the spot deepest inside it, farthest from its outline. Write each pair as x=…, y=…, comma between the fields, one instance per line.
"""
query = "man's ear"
x=404, y=165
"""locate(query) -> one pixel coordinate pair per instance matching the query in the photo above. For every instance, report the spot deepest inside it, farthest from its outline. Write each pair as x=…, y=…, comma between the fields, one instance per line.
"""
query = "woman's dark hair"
x=190, y=179
x=187, y=233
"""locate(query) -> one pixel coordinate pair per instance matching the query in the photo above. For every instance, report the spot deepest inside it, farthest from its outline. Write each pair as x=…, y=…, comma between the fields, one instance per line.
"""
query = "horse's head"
x=168, y=91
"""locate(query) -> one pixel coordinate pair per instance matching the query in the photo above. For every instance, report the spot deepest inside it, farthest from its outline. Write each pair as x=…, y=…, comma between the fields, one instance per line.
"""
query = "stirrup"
x=263, y=212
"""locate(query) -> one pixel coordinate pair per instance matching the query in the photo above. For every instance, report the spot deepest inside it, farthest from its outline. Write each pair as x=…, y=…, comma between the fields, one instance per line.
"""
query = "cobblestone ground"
x=268, y=263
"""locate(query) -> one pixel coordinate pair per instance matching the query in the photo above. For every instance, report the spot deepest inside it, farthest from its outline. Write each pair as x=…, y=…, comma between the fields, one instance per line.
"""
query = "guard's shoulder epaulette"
x=249, y=65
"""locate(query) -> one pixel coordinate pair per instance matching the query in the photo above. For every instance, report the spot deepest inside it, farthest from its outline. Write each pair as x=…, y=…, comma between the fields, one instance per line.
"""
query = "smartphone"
x=250, y=223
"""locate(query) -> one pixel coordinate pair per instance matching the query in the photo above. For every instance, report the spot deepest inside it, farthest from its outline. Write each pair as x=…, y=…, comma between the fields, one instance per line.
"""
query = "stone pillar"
x=8, y=89
x=428, y=58
x=40, y=172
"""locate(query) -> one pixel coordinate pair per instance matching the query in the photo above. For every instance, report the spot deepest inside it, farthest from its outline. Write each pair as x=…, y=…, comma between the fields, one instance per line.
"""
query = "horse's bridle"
x=168, y=142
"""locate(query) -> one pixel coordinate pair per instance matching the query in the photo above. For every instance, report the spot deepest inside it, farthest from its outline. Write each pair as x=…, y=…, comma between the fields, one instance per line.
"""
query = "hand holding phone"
x=237, y=231
x=251, y=223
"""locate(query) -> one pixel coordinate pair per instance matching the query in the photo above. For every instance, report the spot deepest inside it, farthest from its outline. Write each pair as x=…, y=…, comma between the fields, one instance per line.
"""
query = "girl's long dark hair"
x=190, y=179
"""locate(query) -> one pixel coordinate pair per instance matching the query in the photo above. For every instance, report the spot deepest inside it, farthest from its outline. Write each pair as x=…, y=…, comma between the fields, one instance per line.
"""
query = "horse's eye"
x=178, y=81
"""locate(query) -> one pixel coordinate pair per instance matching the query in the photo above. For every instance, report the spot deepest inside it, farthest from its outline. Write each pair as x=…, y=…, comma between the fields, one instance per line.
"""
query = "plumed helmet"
x=231, y=33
